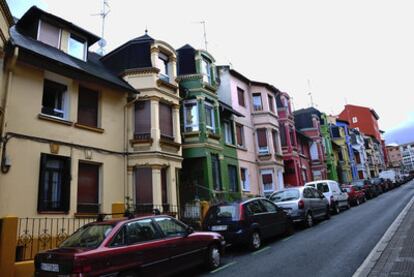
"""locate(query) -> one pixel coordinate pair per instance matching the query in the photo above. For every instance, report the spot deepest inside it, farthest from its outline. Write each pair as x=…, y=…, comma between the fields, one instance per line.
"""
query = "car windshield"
x=89, y=236
x=286, y=195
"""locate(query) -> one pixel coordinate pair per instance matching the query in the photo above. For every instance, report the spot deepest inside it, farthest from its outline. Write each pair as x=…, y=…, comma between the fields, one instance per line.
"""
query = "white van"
x=336, y=197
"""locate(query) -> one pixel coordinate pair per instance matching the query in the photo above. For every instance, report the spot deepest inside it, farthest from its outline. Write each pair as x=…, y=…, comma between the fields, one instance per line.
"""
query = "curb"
x=371, y=260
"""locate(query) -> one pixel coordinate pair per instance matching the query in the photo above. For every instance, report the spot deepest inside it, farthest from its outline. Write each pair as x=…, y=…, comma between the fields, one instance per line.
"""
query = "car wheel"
x=255, y=241
x=336, y=208
x=309, y=220
x=357, y=202
x=348, y=205
x=328, y=213
x=213, y=258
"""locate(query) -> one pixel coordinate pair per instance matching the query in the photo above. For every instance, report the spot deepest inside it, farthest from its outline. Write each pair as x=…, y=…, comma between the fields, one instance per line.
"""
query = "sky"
x=355, y=51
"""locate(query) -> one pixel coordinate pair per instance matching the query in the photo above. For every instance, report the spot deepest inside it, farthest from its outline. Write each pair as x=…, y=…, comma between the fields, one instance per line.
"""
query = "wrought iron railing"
x=39, y=234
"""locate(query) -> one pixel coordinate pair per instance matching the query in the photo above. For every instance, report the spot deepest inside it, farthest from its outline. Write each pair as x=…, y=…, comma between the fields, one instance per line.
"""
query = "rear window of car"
x=322, y=187
x=285, y=195
x=224, y=212
x=89, y=236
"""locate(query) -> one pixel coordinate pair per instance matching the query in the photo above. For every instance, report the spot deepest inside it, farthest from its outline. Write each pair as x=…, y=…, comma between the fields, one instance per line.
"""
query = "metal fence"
x=39, y=234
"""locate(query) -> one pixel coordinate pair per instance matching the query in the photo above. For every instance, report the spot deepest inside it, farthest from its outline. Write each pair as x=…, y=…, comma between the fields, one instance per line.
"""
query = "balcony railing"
x=142, y=136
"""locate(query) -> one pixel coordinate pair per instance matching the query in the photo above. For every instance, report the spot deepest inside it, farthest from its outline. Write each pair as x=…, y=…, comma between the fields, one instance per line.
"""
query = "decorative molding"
x=133, y=142
x=214, y=136
x=130, y=168
x=144, y=70
x=173, y=144
x=90, y=128
x=162, y=83
x=209, y=87
x=54, y=148
x=54, y=119
x=189, y=77
x=155, y=49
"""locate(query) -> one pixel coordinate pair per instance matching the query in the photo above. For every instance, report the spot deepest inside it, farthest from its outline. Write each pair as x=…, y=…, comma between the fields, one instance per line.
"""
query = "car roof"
x=115, y=221
x=320, y=181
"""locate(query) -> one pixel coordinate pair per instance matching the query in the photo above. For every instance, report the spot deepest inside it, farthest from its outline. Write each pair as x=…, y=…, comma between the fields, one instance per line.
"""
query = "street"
x=331, y=248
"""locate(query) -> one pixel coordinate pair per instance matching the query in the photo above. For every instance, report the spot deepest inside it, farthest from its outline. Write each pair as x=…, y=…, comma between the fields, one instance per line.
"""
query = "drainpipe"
x=8, y=83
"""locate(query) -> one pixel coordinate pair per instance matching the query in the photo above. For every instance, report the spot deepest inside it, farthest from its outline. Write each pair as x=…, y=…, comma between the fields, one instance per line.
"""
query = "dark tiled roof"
x=93, y=67
x=230, y=109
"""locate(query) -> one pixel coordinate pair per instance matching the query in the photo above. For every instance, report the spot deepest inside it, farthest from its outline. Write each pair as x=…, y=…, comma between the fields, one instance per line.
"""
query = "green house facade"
x=210, y=168
x=332, y=170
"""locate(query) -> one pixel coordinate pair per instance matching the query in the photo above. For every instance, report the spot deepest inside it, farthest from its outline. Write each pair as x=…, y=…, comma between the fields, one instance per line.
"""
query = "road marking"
x=288, y=238
x=261, y=250
x=223, y=267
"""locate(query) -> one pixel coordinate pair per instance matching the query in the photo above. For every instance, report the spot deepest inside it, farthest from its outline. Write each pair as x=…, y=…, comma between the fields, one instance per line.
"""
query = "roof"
x=6, y=10
x=138, y=40
x=373, y=112
x=32, y=16
x=230, y=109
x=303, y=117
x=301, y=134
x=42, y=55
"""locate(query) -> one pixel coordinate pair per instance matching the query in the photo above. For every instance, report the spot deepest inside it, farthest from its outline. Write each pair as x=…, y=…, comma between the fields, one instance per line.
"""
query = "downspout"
x=8, y=83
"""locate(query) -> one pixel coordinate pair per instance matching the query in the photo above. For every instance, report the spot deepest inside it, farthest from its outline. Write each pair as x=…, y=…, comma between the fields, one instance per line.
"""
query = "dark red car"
x=152, y=245
x=356, y=195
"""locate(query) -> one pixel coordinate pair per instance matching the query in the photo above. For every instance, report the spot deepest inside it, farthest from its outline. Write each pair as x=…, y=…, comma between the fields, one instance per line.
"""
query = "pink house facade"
x=257, y=133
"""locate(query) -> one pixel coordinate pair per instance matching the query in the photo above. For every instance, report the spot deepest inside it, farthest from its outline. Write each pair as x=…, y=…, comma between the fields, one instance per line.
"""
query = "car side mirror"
x=189, y=230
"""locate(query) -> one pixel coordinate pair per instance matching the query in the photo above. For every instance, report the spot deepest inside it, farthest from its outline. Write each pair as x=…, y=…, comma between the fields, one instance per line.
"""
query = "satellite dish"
x=102, y=43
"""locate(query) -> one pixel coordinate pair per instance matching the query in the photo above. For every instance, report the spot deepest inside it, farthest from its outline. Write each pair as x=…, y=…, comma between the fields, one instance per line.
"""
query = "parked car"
x=379, y=185
x=337, y=198
x=356, y=195
x=366, y=187
x=303, y=204
x=248, y=222
x=153, y=245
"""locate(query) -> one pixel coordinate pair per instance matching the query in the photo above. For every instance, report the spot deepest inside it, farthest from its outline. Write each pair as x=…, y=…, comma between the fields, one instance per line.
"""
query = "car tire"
x=348, y=205
x=309, y=220
x=328, y=213
x=213, y=257
x=336, y=208
x=255, y=241
x=357, y=202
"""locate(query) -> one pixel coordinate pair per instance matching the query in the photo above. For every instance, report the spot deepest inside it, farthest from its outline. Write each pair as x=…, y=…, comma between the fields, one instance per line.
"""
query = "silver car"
x=303, y=204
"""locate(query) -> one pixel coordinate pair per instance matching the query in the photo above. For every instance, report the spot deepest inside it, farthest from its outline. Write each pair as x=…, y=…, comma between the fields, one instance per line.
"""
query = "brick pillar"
x=8, y=243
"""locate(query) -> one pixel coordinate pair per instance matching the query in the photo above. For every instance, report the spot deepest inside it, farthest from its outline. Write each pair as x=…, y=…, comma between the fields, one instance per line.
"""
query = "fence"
x=40, y=234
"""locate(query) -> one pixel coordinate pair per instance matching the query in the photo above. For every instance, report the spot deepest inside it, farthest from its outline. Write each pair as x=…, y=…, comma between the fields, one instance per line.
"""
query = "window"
x=255, y=207
x=215, y=163
x=292, y=136
x=240, y=135
x=206, y=71
x=77, y=47
x=244, y=177
x=170, y=227
x=257, y=102
x=354, y=119
x=271, y=103
x=307, y=193
x=275, y=137
x=262, y=141
x=240, y=96
x=88, y=107
x=143, y=188
x=54, y=184
x=48, y=34
x=162, y=64
x=270, y=207
x=141, y=231
x=53, y=100
x=191, y=116
x=233, y=184
x=267, y=180
x=314, y=151
x=166, y=121
x=283, y=136
x=142, y=120
x=210, y=118
x=228, y=132
x=88, y=188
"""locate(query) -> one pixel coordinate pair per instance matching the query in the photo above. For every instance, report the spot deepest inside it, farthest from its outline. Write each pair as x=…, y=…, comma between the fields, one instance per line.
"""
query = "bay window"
x=142, y=120
x=206, y=71
x=262, y=141
x=210, y=117
x=191, y=122
x=257, y=102
x=166, y=121
x=162, y=64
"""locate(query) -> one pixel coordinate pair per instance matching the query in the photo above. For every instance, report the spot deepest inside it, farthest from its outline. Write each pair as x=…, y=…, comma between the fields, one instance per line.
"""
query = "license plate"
x=219, y=228
x=49, y=267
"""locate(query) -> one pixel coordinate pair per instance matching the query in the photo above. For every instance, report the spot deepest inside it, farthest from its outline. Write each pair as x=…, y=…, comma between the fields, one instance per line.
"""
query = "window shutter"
x=88, y=187
x=143, y=185
x=240, y=94
x=261, y=137
x=166, y=120
x=40, y=200
x=49, y=34
x=66, y=178
x=88, y=107
x=142, y=117
x=239, y=134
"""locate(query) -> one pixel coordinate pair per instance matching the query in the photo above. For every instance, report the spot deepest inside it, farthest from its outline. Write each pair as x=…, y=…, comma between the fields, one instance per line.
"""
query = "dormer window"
x=206, y=71
x=48, y=34
x=162, y=64
x=77, y=47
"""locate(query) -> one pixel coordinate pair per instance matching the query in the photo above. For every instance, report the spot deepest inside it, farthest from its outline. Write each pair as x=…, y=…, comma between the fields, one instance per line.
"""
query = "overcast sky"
x=355, y=51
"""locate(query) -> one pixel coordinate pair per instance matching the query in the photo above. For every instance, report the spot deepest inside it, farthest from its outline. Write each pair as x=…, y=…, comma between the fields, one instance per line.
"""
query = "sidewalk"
x=394, y=254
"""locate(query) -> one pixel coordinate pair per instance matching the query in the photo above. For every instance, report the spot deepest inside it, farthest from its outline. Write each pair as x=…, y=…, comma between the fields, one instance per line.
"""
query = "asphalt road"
x=336, y=247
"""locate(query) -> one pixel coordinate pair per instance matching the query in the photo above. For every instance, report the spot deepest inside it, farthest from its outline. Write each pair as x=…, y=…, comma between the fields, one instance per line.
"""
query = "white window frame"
x=263, y=150
x=85, y=46
x=60, y=33
x=257, y=94
x=65, y=97
x=196, y=123
x=354, y=119
x=228, y=138
x=213, y=118
x=206, y=66
x=266, y=172
x=162, y=57
x=246, y=184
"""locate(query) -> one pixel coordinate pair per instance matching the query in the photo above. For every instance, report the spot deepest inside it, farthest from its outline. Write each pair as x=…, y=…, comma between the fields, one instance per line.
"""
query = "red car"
x=152, y=245
x=356, y=195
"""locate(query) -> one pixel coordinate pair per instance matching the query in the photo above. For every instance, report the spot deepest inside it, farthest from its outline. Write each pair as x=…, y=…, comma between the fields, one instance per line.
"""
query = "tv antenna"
x=205, y=34
x=310, y=93
x=104, y=12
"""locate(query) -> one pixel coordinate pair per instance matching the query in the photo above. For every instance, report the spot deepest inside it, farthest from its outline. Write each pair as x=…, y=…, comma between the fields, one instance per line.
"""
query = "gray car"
x=303, y=204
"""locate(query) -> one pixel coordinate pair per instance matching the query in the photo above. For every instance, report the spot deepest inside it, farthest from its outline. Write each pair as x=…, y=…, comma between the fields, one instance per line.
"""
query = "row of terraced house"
x=148, y=126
